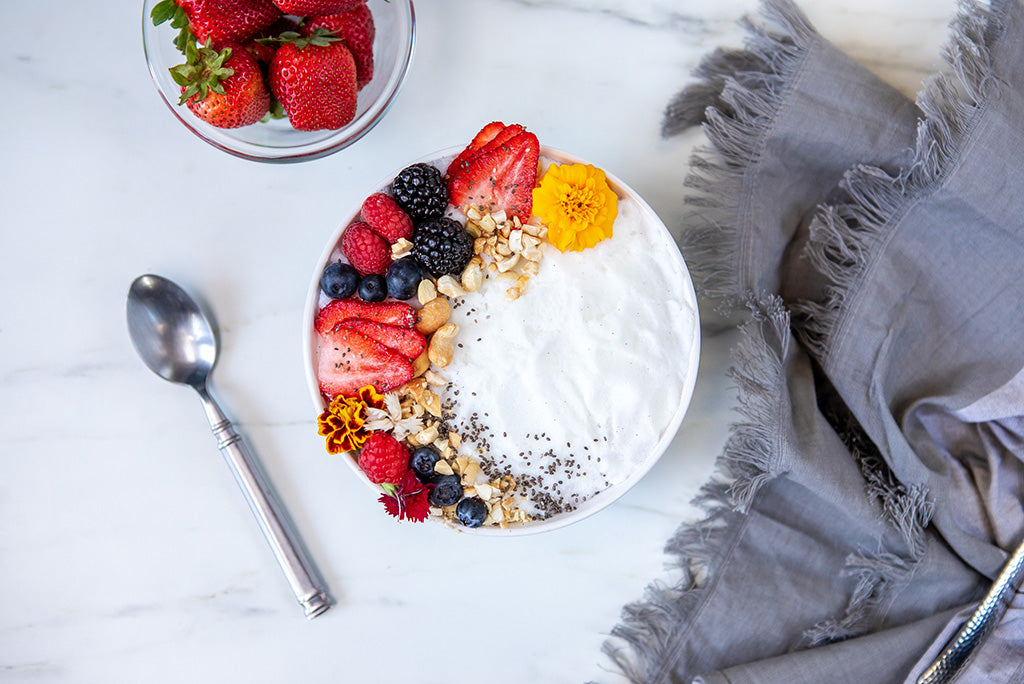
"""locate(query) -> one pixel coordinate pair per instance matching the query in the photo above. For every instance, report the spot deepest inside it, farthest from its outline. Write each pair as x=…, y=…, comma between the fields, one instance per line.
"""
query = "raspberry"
x=386, y=218
x=365, y=250
x=384, y=458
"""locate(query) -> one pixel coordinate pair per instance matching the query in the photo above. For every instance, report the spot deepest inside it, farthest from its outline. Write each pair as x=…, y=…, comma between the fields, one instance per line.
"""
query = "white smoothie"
x=571, y=386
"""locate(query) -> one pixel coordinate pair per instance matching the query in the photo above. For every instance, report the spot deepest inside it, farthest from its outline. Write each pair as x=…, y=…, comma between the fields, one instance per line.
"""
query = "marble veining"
x=126, y=551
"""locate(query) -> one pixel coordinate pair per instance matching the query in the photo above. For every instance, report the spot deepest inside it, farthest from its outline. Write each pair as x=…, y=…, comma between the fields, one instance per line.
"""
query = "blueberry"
x=372, y=288
x=339, y=280
x=447, y=491
x=404, y=276
x=472, y=511
x=423, y=460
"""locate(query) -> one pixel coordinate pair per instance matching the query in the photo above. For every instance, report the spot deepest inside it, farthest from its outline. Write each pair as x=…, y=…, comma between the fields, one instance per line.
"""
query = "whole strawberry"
x=355, y=27
x=384, y=459
x=221, y=21
x=222, y=87
x=309, y=8
x=314, y=79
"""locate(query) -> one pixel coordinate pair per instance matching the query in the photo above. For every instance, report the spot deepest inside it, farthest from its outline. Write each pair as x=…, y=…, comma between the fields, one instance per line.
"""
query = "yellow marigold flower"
x=576, y=204
x=343, y=419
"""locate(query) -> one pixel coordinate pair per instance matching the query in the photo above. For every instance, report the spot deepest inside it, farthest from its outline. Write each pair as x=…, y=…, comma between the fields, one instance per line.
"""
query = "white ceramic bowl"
x=664, y=243
x=276, y=141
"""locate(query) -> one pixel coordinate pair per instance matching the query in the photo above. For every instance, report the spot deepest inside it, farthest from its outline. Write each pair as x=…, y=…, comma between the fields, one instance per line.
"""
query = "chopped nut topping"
x=433, y=315
x=426, y=291
x=448, y=286
x=441, y=348
x=401, y=248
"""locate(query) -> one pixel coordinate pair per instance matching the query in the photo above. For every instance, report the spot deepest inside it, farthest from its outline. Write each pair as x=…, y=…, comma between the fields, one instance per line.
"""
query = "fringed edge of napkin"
x=844, y=237
x=907, y=509
x=738, y=94
x=654, y=628
x=843, y=241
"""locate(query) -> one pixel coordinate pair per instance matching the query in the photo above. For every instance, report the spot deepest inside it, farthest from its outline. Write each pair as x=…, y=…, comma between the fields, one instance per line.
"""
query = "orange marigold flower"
x=576, y=204
x=343, y=420
x=370, y=396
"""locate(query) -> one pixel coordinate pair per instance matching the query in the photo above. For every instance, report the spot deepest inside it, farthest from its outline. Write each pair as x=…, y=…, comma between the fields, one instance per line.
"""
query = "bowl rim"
x=602, y=499
x=329, y=144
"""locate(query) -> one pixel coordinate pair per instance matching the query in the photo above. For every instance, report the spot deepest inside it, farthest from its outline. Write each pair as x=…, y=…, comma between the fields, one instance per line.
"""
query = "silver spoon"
x=175, y=339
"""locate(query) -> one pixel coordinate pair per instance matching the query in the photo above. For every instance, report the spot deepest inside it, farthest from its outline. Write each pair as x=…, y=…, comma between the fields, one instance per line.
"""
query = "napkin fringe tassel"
x=843, y=240
x=736, y=98
x=654, y=629
x=878, y=574
x=844, y=237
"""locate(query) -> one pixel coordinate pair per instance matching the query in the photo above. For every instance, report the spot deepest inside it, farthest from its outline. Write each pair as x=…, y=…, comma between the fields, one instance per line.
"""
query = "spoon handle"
x=270, y=514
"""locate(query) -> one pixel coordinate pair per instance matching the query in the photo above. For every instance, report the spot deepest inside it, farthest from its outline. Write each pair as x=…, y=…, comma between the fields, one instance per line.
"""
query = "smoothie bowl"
x=502, y=338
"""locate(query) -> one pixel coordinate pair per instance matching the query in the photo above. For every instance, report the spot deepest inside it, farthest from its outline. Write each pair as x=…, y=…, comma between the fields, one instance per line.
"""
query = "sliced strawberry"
x=503, y=136
x=394, y=313
x=406, y=341
x=499, y=177
x=348, y=360
x=485, y=136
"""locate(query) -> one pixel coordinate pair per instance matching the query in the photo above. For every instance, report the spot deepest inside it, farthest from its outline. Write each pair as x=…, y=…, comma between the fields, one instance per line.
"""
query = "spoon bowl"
x=176, y=341
x=170, y=331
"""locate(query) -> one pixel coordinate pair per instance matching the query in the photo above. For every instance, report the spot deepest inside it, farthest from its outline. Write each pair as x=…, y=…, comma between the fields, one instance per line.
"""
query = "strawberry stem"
x=320, y=37
x=167, y=10
x=202, y=72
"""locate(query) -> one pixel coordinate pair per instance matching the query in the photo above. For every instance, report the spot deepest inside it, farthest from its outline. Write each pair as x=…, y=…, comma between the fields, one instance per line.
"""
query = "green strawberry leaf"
x=182, y=74
x=276, y=109
x=180, y=19
x=202, y=72
x=183, y=40
x=320, y=37
x=163, y=11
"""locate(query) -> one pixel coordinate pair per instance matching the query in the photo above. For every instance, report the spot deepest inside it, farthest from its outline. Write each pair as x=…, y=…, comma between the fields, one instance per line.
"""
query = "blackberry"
x=420, y=191
x=442, y=246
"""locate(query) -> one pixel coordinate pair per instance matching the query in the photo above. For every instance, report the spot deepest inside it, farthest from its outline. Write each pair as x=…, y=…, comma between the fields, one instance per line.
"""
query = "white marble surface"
x=126, y=551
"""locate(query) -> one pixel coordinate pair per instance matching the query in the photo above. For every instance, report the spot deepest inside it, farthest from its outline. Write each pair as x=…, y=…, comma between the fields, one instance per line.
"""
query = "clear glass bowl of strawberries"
x=278, y=80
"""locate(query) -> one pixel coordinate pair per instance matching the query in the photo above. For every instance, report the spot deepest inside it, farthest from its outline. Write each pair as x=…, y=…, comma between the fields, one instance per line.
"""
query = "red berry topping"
x=348, y=361
x=499, y=175
x=407, y=342
x=367, y=251
x=384, y=459
x=398, y=314
x=386, y=218
x=485, y=136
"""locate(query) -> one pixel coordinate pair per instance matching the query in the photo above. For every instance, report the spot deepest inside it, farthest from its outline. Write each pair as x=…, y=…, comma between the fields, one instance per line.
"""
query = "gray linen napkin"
x=874, y=484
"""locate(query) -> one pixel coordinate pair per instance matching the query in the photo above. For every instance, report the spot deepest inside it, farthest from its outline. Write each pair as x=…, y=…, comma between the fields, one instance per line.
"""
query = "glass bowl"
x=660, y=242
x=276, y=141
